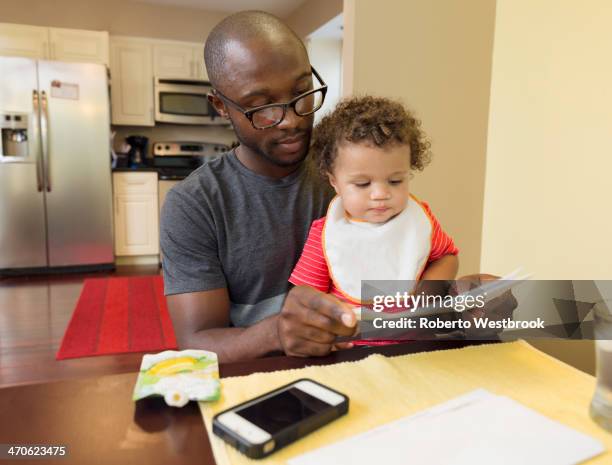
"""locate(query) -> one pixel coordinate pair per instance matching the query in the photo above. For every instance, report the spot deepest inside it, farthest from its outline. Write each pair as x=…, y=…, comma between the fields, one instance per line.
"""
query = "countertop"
x=164, y=174
x=125, y=169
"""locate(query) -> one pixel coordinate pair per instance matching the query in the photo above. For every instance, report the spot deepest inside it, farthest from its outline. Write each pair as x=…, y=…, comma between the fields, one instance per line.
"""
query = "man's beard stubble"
x=270, y=158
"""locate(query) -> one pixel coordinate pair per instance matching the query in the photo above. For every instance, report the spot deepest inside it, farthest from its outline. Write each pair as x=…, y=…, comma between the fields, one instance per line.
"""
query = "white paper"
x=65, y=90
x=473, y=429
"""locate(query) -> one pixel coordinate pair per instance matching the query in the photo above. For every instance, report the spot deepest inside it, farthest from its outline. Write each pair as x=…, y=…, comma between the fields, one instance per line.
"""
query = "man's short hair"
x=242, y=26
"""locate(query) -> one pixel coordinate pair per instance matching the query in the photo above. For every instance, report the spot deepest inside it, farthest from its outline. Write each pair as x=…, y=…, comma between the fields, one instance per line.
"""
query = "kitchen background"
x=154, y=54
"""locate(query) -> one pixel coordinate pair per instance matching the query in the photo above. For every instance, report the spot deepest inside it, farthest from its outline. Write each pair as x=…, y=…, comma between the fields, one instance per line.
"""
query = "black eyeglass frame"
x=291, y=104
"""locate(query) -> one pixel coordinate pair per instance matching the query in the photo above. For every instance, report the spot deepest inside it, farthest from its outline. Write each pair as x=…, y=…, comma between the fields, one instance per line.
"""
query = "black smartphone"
x=269, y=422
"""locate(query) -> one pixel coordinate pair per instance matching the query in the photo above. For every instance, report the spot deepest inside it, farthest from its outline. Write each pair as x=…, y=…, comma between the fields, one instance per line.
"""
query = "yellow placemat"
x=382, y=389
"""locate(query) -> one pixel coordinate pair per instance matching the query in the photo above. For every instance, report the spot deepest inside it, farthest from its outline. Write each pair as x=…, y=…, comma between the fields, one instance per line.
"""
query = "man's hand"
x=497, y=309
x=310, y=321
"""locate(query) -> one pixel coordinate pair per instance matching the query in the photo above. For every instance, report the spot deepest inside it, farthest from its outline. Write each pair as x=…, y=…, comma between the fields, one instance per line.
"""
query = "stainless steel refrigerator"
x=55, y=174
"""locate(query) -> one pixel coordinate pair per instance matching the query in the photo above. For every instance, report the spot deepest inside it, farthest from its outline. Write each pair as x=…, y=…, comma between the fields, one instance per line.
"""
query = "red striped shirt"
x=311, y=269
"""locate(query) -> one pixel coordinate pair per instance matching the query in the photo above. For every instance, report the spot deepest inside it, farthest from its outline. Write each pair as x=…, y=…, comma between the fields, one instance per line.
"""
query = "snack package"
x=179, y=376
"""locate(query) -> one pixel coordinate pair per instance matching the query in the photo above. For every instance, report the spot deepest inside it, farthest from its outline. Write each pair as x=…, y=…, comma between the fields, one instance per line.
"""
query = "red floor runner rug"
x=119, y=315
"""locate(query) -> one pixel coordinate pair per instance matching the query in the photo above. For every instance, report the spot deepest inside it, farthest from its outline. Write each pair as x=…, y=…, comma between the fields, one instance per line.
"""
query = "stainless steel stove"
x=176, y=160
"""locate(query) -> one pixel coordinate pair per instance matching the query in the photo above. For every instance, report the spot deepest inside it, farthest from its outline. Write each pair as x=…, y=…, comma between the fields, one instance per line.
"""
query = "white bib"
x=356, y=251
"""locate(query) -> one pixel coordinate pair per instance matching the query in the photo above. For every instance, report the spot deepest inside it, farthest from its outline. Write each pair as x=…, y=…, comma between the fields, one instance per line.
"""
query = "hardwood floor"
x=34, y=313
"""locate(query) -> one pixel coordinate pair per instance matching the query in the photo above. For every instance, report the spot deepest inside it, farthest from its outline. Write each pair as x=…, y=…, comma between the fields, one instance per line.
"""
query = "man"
x=232, y=232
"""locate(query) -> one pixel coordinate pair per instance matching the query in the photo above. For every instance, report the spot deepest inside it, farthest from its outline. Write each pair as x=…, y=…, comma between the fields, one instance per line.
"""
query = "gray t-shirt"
x=226, y=226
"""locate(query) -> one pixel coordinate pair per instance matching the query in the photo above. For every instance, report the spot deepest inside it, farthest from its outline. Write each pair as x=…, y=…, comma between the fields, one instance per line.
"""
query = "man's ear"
x=218, y=105
x=333, y=182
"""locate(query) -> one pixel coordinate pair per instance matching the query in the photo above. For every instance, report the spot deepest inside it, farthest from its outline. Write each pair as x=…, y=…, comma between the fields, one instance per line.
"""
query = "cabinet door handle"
x=116, y=206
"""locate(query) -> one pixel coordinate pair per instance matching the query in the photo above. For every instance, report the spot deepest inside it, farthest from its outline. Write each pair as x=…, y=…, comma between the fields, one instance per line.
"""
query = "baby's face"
x=372, y=181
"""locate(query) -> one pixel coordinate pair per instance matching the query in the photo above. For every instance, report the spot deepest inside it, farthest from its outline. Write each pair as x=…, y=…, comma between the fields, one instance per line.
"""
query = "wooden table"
x=100, y=424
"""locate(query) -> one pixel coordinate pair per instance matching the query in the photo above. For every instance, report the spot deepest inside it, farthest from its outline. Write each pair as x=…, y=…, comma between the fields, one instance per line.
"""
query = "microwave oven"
x=184, y=101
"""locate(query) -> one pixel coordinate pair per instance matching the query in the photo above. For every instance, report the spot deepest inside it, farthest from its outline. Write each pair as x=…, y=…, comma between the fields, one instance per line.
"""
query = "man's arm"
x=201, y=321
x=497, y=309
x=307, y=325
x=444, y=268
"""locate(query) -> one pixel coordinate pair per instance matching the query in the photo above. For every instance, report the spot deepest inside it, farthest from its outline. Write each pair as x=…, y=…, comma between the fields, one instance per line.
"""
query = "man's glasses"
x=268, y=116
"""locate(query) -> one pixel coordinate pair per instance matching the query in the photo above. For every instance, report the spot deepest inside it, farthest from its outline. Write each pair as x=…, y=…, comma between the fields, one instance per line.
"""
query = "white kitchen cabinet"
x=136, y=213
x=182, y=60
x=54, y=43
x=173, y=60
x=24, y=41
x=79, y=45
x=131, y=65
x=198, y=59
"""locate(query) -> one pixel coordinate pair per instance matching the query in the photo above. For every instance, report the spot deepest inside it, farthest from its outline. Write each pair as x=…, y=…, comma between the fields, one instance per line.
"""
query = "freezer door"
x=78, y=171
x=22, y=218
x=22, y=210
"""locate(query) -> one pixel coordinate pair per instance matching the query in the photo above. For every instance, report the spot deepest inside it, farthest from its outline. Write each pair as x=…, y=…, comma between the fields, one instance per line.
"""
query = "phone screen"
x=283, y=409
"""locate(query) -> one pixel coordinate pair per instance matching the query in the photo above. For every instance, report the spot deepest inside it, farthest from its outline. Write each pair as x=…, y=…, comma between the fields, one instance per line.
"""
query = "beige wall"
x=549, y=163
x=348, y=47
x=548, y=189
x=326, y=56
x=312, y=14
x=118, y=17
x=436, y=57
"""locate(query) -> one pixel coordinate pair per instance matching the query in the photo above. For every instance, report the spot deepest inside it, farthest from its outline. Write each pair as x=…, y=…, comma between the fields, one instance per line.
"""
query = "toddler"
x=374, y=229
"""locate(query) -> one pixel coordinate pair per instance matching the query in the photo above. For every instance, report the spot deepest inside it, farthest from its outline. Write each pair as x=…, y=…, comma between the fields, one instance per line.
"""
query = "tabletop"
x=98, y=422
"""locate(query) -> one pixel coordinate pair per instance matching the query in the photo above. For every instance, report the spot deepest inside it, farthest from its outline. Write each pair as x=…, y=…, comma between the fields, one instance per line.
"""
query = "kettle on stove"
x=138, y=150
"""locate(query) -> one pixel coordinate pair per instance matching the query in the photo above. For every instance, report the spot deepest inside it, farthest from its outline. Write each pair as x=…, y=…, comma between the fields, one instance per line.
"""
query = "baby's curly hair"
x=377, y=121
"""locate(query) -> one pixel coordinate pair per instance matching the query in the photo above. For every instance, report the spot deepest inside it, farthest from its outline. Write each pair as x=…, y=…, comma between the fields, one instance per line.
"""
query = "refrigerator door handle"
x=44, y=133
x=39, y=173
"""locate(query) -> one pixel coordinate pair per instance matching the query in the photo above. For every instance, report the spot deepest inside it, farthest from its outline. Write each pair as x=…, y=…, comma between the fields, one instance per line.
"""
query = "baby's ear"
x=333, y=182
